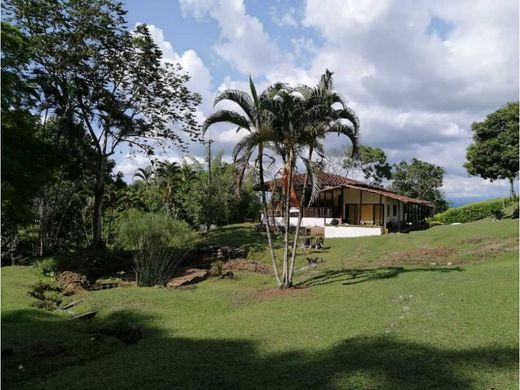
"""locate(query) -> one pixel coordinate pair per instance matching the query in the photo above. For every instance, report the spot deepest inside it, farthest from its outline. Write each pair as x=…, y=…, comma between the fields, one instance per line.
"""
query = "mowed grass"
x=425, y=310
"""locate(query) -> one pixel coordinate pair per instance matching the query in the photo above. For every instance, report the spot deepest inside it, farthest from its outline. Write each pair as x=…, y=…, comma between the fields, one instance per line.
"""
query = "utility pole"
x=209, y=142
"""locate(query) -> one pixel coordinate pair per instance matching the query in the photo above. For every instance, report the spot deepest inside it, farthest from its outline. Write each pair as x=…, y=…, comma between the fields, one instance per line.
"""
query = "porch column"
x=398, y=215
x=360, y=206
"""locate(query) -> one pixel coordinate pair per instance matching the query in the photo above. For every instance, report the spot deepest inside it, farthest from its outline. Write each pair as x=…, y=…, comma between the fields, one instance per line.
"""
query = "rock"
x=227, y=275
x=70, y=282
x=84, y=316
x=190, y=276
x=69, y=305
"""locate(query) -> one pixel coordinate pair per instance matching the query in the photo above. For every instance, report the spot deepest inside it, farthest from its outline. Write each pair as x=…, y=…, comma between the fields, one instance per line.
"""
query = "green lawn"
x=425, y=310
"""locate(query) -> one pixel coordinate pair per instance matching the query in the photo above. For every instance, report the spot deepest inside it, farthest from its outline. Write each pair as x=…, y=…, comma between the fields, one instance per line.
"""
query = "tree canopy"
x=494, y=152
x=421, y=180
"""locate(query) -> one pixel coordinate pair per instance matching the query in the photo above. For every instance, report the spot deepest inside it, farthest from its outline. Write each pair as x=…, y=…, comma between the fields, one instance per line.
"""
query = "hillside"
x=429, y=309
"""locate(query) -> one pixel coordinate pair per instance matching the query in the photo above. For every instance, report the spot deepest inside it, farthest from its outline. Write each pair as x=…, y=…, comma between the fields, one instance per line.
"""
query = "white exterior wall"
x=306, y=222
x=352, y=231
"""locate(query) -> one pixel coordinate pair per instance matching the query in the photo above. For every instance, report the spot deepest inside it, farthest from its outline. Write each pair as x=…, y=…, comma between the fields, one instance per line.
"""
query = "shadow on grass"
x=162, y=361
x=238, y=236
x=358, y=275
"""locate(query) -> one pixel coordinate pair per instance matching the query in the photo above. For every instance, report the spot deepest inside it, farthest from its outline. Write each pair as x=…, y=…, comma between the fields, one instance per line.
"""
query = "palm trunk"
x=298, y=225
x=289, y=173
x=268, y=224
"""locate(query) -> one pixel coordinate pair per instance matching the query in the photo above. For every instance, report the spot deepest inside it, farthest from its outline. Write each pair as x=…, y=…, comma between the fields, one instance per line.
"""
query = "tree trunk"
x=97, y=217
x=298, y=225
x=512, y=183
x=288, y=172
x=267, y=222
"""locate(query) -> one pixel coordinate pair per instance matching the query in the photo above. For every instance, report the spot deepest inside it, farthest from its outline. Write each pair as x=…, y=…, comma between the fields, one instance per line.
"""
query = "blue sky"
x=417, y=72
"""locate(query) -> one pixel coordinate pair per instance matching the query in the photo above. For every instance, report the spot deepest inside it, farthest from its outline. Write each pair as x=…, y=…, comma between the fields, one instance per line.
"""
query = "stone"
x=190, y=276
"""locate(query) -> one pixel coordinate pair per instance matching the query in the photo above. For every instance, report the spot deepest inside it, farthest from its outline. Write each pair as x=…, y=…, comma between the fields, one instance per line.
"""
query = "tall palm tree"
x=326, y=112
x=302, y=117
x=145, y=174
x=256, y=121
x=168, y=176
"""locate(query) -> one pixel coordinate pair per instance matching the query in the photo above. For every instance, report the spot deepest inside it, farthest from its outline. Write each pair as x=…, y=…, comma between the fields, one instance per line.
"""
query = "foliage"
x=160, y=243
x=371, y=161
x=291, y=122
x=471, y=212
x=136, y=224
x=46, y=267
x=104, y=80
x=494, y=152
x=421, y=180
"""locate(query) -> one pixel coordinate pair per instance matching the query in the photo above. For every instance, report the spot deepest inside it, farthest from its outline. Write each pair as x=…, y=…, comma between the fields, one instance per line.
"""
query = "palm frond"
x=226, y=116
x=313, y=175
x=241, y=98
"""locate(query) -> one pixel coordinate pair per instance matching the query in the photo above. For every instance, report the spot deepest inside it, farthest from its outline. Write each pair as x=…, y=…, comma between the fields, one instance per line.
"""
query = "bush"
x=471, y=212
x=498, y=214
x=46, y=267
x=160, y=243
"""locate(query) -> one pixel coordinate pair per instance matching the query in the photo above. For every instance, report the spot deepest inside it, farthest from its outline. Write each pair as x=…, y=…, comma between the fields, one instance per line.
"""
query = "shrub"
x=498, y=214
x=471, y=212
x=160, y=242
x=515, y=213
x=46, y=267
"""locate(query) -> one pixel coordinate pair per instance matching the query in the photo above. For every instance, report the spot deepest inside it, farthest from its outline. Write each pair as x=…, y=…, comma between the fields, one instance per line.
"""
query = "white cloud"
x=244, y=43
x=286, y=19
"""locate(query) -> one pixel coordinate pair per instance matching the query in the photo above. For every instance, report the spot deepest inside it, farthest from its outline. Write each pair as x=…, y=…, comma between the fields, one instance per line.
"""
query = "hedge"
x=471, y=212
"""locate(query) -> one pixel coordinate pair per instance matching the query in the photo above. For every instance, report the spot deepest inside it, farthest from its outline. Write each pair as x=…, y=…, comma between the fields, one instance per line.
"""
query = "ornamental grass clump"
x=160, y=244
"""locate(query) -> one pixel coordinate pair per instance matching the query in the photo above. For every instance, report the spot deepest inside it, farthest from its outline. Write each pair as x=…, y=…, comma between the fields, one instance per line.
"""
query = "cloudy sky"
x=417, y=73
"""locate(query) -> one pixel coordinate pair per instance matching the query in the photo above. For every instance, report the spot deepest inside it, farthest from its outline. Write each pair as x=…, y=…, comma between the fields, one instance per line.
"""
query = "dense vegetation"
x=429, y=309
x=476, y=211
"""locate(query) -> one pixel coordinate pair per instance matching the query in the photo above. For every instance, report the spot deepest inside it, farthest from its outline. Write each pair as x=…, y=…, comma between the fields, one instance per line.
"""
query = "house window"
x=395, y=210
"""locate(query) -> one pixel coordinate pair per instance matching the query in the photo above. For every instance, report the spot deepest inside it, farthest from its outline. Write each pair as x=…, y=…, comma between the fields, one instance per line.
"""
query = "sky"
x=417, y=73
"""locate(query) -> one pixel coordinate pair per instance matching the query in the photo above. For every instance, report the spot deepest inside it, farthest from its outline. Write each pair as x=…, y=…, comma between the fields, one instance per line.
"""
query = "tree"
x=493, y=154
x=371, y=161
x=98, y=76
x=253, y=118
x=421, y=180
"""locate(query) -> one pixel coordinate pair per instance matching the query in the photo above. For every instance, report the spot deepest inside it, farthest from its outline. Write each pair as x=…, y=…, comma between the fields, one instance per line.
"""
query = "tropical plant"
x=160, y=242
x=288, y=121
x=257, y=122
x=301, y=118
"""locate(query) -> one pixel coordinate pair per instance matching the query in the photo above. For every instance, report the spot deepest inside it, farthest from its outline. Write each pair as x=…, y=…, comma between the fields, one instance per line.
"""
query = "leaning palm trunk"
x=268, y=223
x=299, y=223
x=289, y=173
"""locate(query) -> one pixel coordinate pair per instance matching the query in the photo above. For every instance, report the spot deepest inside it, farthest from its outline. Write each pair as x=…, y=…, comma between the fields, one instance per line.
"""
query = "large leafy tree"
x=371, y=162
x=421, y=180
x=494, y=152
x=27, y=159
x=99, y=77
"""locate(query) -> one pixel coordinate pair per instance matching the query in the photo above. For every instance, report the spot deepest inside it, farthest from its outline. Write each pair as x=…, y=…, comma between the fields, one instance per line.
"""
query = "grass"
x=425, y=310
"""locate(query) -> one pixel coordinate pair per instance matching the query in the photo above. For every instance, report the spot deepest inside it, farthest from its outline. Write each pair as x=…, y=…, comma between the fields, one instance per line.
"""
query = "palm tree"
x=147, y=175
x=302, y=117
x=256, y=121
x=168, y=176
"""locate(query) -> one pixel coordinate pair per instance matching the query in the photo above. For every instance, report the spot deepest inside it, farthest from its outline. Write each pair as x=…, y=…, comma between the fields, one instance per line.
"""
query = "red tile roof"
x=329, y=181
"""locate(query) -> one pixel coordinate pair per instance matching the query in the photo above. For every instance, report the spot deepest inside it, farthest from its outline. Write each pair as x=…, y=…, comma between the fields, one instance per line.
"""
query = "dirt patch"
x=279, y=292
x=245, y=265
x=188, y=276
x=419, y=256
x=494, y=248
